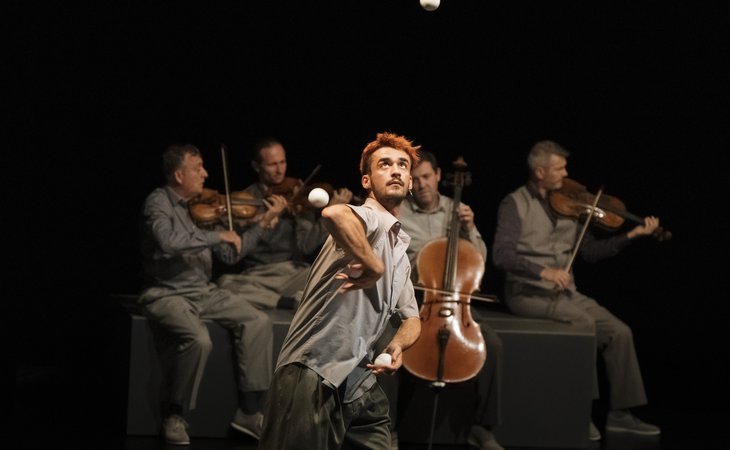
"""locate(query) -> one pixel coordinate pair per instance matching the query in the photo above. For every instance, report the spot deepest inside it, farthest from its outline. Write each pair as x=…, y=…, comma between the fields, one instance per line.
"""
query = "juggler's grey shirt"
x=334, y=334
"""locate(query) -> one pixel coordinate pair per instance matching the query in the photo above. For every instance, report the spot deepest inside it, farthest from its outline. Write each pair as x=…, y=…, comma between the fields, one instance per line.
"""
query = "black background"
x=636, y=90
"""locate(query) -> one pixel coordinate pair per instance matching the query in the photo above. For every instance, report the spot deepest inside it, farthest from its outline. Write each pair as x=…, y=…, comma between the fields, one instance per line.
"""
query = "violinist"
x=275, y=262
x=532, y=245
x=426, y=216
x=178, y=294
x=324, y=394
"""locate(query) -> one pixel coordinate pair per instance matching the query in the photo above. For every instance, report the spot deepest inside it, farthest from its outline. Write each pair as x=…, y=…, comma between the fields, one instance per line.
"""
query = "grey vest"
x=540, y=241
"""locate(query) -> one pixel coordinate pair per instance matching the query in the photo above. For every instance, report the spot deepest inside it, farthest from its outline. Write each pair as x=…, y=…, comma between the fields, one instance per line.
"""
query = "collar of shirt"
x=415, y=208
x=532, y=189
x=394, y=226
x=175, y=198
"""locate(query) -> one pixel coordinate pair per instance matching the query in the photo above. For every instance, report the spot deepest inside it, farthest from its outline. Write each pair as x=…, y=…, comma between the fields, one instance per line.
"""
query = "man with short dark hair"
x=426, y=216
x=275, y=262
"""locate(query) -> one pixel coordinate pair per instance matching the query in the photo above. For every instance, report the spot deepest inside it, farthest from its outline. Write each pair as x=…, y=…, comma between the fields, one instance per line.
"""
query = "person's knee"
x=262, y=321
x=586, y=321
x=260, y=324
x=201, y=342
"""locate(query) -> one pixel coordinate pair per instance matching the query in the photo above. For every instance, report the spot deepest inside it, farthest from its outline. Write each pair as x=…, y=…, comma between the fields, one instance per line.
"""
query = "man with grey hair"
x=533, y=245
x=178, y=294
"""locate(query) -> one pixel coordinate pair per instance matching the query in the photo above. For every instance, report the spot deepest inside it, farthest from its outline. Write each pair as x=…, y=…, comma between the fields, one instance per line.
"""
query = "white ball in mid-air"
x=383, y=359
x=430, y=5
x=318, y=197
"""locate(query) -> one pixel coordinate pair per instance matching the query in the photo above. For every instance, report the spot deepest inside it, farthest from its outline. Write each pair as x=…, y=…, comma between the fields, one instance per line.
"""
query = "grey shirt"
x=292, y=239
x=423, y=226
x=176, y=254
x=334, y=334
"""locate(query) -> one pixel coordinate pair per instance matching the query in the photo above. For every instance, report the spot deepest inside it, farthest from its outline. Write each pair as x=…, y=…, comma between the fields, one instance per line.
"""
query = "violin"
x=296, y=192
x=451, y=347
x=573, y=200
x=211, y=208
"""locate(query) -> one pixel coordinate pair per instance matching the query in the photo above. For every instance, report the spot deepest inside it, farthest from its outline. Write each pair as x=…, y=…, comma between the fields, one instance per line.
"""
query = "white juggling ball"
x=430, y=5
x=354, y=273
x=383, y=359
x=318, y=197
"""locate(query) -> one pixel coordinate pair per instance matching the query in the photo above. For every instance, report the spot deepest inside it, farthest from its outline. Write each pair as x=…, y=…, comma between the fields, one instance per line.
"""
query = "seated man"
x=425, y=216
x=533, y=246
x=177, y=295
x=275, y=264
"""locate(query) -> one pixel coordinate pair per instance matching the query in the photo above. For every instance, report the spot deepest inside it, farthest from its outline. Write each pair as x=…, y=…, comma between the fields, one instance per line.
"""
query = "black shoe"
x=625, y=422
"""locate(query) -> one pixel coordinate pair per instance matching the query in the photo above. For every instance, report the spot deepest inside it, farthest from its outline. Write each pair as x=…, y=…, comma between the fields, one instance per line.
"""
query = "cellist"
x=532, y=245
x=425, y=216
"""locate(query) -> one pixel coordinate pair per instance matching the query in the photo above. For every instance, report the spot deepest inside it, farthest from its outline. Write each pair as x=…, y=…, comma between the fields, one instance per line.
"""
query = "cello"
x=451, y=347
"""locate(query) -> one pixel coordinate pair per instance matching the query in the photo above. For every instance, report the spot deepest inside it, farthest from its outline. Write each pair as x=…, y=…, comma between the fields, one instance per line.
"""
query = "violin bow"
x=307, y=180
x=481, y=297
x=228, y=191
x=591, y=213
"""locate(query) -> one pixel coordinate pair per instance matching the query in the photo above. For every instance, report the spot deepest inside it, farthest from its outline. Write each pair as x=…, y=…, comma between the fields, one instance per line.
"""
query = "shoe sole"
x=247, y=431
x=632, y=431
x=473, y=442
x=177, y=442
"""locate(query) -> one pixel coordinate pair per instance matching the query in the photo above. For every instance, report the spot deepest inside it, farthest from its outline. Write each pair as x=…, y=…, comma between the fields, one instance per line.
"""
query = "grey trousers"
x=614, y=339
x=263, y=285
x=303, y=413
x=183, y=342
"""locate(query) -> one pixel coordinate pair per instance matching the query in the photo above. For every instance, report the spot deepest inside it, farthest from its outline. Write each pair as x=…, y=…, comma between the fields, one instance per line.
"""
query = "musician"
x=426, y=216
x=274, y=268
x=324, y=393
x=178, y=294
x=532, y=245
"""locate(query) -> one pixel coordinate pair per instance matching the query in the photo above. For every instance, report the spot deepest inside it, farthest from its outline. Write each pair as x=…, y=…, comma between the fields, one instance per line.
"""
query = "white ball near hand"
x=354, y=273
x=318, y=197
x=383, y=359
x=430, y=5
